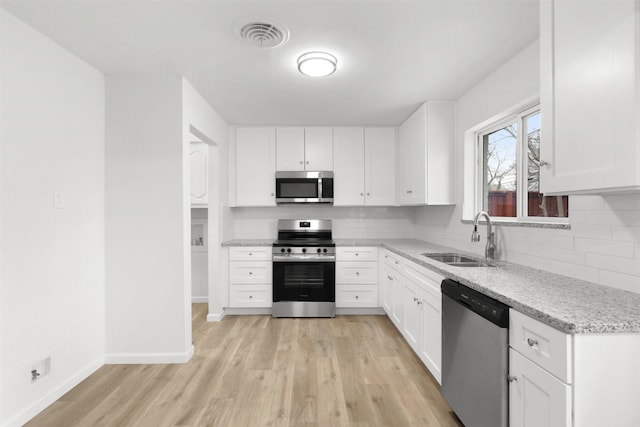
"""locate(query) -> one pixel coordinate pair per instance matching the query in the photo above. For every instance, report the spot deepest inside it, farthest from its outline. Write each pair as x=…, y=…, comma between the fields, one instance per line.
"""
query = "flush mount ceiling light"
x=317, y=64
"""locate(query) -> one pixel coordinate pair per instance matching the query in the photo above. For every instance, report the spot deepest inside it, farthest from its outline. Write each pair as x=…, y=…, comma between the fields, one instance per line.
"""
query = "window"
x=510, y=171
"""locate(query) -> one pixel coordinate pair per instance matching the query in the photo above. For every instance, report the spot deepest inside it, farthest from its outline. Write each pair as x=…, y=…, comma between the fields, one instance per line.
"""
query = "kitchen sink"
x=458, y=260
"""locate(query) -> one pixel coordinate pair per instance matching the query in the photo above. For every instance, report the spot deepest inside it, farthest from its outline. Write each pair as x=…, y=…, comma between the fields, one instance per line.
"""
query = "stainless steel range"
x=304, y=269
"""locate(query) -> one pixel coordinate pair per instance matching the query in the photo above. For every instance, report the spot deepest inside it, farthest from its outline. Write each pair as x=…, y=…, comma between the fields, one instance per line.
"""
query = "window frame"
x=519, y=119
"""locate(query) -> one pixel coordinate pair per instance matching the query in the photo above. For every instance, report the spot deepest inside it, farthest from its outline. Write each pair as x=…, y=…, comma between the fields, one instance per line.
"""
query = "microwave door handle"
x=319, y=188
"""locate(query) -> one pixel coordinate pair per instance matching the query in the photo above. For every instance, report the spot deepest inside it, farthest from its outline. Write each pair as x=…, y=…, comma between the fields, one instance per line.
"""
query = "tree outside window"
x=511, y=188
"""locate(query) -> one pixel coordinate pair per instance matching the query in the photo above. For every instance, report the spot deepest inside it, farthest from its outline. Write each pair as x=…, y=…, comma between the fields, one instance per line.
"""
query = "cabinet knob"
x=409, y=191
x=357, y=254
x=250, y=253
x=307, y=161
x=272, y=194
x=415, y=299
x=251, y=273
x=512, y=378
x=389, y=277
x=532, y=342
x=301, y=162
x=250, y=296
x=357, y=297
x=544, y=163
x=368, y=194
x=397, y=262
x=362, y=194
x=357, y=273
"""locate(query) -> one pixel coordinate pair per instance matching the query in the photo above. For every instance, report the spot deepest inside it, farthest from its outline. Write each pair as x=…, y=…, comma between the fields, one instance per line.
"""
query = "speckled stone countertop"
x=251, y=242
x=570, y=305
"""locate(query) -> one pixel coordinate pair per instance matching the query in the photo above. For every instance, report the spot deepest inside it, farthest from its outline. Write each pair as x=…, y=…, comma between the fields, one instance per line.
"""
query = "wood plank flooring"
x=260, y=371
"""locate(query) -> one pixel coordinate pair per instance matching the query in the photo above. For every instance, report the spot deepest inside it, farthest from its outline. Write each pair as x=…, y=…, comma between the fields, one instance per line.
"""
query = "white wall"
x=603, y=245
x=52, y=260
x=147, y=300
x=212, y=129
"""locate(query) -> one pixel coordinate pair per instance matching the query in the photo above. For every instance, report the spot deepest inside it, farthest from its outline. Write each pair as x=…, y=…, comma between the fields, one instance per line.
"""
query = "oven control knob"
x=324, y=250
x=282, y=250
x=319, y=250
x=288, y=249
x=304, y=250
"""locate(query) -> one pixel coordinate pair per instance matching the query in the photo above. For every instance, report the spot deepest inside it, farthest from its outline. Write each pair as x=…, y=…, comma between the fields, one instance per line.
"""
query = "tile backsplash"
x=348, y=222
x=602, y=246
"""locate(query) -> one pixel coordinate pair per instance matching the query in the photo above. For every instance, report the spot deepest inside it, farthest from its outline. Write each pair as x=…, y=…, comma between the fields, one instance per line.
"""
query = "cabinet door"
x=589, y=95
x=419, y=156
x=318, y=148
x=431, y=343
x=387, y=295
x=255, y=167
x=380, y=166
x=412, y=320
x=348, y=166
x=405, y=184
x=198, y=162
x=290, y=149
x=536, y=398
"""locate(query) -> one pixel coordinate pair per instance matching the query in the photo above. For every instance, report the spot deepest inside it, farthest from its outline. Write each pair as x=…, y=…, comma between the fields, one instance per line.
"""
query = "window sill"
x=529, y=224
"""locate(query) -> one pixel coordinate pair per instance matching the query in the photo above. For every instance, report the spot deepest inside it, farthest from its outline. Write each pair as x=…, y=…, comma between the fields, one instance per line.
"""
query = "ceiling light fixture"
x=317, y=64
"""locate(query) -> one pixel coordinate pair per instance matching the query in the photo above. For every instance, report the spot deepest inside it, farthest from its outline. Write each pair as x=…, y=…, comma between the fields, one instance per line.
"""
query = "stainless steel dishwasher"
x=475, y=340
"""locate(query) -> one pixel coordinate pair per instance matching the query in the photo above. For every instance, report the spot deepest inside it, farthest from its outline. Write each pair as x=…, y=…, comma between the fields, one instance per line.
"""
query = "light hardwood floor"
x=256, y=370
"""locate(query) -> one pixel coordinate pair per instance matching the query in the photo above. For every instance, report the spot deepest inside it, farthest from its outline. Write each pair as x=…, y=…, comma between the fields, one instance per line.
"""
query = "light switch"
x=58, y=199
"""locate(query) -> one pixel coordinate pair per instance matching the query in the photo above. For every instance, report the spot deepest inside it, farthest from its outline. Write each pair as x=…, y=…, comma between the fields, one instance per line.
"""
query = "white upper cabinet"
x=301, y=148
x=380, y=166
x=348, y=162
x=255, y=151
x=590, y=96
x=364, y=166
x=199, y=170
x=426, y=156
x=290, y=149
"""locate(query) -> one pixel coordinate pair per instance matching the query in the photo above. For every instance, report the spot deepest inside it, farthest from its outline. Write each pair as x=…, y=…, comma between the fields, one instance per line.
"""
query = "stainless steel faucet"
x=490, y=248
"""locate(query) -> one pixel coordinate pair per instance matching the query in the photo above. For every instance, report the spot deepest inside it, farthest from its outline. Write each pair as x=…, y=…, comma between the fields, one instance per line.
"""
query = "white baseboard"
x=199, y=299
x=149, y=358
x=215, y=317
x=41, y=404
x=247, y=311
x=341, y=311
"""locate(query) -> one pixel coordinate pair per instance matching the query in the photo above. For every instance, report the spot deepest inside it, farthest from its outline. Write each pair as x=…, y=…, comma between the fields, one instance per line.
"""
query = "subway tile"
x=605, y=247
x=591, y=231
x=581, y=203
x=625, y=234
x=620, y=280
x=623, y=202
x=611, y=263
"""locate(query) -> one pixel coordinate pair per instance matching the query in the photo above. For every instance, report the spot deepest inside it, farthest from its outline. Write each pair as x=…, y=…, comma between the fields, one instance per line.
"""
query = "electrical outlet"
x=40, y=369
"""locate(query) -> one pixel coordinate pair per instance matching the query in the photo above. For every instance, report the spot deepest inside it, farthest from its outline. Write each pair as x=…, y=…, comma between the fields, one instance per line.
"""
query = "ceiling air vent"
x=263, y=33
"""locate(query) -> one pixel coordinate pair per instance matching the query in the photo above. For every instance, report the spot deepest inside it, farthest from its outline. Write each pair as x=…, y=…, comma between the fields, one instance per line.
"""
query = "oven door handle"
x=303, y=258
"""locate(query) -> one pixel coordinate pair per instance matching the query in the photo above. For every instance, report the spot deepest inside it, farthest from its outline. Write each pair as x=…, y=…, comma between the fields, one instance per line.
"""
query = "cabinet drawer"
x=249, y=253
x=250, y=296
x=356, y=296
x=246, y=272
x=423, y=277
x=393, y=260
x=356, y=253
x=353, y=272
x=544, y=345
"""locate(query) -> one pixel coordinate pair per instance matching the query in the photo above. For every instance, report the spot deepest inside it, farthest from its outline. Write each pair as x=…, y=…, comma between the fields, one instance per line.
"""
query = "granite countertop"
x=570, y=305
x=248, y=242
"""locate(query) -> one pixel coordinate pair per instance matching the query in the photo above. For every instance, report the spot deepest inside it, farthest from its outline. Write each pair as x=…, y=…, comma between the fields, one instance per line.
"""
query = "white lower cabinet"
x=579, y=380
x=250, y=277
x=357, y=277
x=413, y=302
x=536, y=398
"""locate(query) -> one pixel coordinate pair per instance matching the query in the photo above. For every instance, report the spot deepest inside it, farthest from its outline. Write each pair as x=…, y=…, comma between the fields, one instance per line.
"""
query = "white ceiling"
x=392, y=55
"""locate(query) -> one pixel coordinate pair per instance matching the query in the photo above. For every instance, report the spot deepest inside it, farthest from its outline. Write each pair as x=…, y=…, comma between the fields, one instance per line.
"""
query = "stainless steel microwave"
x=304, y=187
